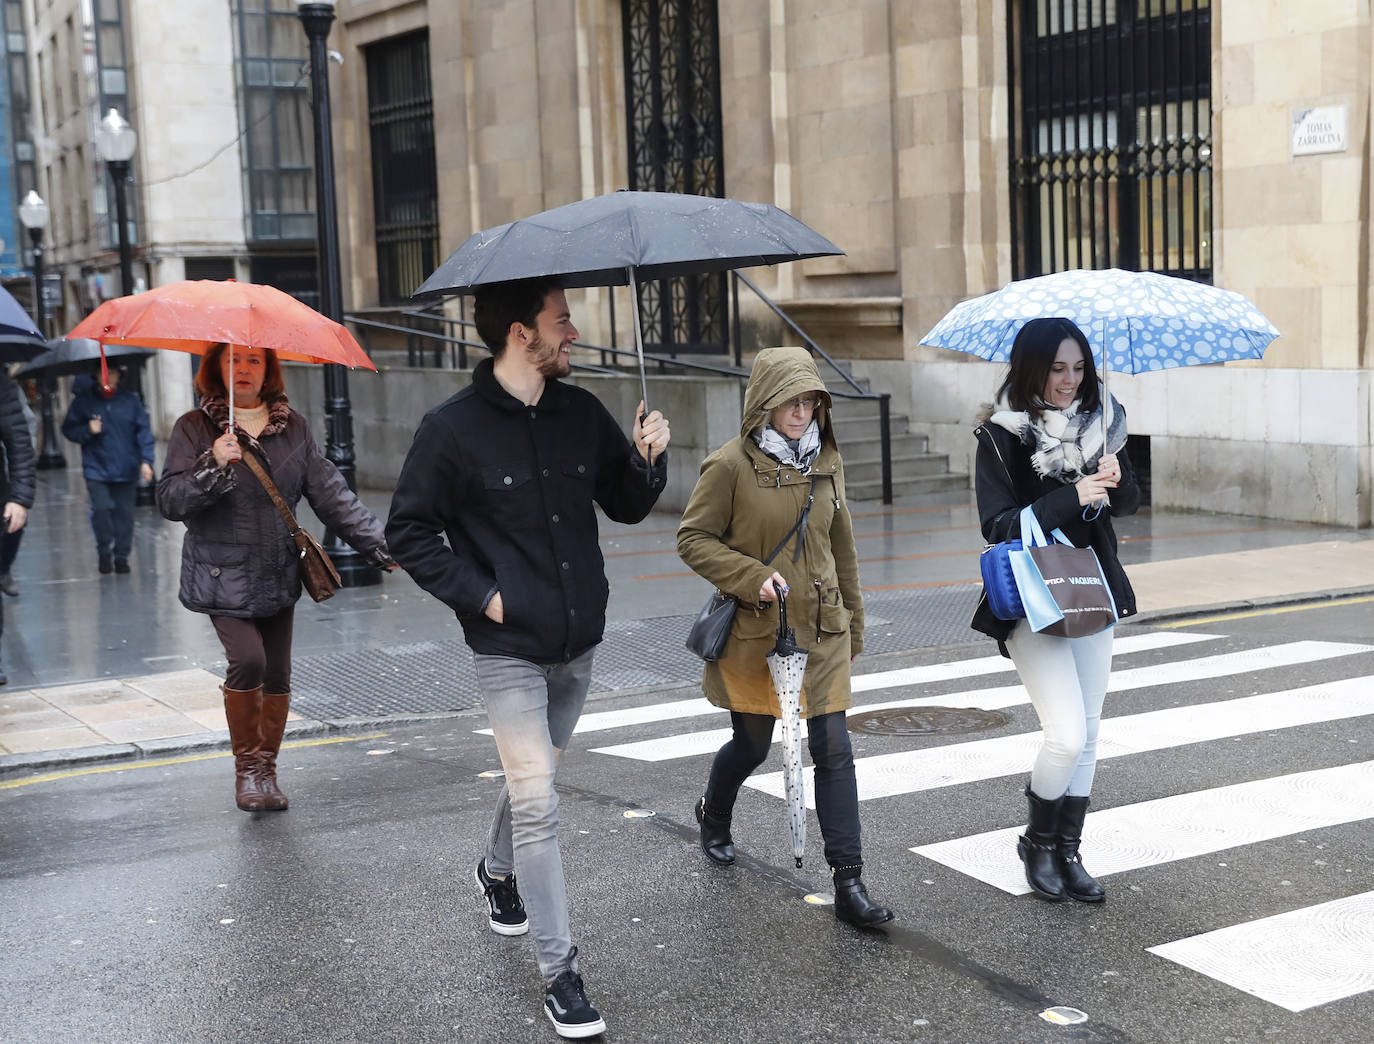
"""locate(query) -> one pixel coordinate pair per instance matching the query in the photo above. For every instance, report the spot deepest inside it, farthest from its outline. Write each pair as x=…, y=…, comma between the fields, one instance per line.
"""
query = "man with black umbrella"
x=509, y=471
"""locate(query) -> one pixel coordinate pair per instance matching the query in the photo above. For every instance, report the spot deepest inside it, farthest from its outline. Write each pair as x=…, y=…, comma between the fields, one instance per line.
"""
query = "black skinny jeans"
x=258, y=650
x=837, y=794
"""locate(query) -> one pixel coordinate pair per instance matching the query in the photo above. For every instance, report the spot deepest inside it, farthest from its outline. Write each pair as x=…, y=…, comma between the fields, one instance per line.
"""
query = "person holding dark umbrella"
x=510, y=471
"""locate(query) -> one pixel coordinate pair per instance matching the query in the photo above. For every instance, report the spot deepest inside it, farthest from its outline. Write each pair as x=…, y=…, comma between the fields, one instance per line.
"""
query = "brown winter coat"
x=742, y=506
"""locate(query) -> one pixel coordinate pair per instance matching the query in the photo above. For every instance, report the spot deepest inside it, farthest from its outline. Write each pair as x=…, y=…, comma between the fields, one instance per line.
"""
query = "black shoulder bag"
x=711, y=630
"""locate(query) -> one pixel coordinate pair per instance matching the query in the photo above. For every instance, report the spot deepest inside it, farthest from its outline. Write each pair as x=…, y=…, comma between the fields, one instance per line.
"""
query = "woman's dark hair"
x=210, y=382
x=1032, y=355
x=499, y=304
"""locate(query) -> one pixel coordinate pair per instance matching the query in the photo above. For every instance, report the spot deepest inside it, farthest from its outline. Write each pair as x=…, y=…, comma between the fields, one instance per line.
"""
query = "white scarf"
x=777, y=446
x=1068, y=444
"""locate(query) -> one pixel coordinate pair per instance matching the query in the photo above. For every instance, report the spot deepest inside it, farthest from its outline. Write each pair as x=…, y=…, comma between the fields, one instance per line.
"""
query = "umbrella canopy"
x=787, y=665
x=596, y=242
x=624, y=238
x=19, y=337
x=194, y=315
x=1134, y=321
x=65, y=358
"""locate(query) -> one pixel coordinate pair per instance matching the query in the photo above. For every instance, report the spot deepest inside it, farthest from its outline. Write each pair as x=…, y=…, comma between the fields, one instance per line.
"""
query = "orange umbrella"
x=194, y=315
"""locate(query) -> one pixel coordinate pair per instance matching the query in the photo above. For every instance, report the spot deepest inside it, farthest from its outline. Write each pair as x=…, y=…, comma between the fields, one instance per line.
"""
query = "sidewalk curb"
x=200, y=742
x=1161, y=616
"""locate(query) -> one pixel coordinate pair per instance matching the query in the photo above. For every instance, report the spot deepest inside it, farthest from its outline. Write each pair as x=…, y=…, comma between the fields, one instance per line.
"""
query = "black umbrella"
x=19, y=337
x=65, y=358
x=624, y=238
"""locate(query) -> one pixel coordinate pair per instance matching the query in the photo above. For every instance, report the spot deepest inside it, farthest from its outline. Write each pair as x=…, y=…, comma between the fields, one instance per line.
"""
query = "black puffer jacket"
x=512, y=488
x=1006, y=482
x=238, y=558
x=16, y=471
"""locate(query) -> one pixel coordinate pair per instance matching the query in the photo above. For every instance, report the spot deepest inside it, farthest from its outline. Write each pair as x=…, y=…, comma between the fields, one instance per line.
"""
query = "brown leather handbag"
x=318, y=575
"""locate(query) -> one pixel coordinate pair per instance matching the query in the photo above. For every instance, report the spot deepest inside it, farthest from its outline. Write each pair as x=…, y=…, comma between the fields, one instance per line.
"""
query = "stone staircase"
x=859, y=434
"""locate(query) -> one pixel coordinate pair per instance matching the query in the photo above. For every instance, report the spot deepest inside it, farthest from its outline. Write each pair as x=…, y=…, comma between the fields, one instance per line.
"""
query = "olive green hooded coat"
x=743, y=505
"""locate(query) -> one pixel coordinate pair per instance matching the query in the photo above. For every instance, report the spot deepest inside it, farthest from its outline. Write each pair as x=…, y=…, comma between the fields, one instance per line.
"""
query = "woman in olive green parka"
x=751, y=493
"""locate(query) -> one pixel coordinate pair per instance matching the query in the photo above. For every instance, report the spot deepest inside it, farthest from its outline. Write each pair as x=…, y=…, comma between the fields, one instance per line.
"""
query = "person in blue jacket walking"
x=116, y=441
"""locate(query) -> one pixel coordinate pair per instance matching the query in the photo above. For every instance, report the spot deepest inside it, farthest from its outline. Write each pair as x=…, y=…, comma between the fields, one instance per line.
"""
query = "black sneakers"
x=507, y=911
x=566, y=1005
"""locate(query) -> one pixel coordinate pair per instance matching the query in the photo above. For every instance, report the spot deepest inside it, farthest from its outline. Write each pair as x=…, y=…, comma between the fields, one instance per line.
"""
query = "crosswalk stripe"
x=1183, y=826
x=692, y=744
x=935, y=672
x=1296, y=960
x=909, y=771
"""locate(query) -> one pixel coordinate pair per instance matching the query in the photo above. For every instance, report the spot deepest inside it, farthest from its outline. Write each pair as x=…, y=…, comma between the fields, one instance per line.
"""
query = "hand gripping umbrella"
x=787, y=665
x=624, y=238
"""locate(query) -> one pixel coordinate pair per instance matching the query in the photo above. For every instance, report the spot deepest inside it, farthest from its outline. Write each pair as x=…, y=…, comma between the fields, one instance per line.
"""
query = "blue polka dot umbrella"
x=1134, y=321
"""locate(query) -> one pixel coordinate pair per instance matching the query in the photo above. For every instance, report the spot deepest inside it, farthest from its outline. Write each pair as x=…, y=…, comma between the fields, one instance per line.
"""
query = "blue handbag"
x=1000, y=582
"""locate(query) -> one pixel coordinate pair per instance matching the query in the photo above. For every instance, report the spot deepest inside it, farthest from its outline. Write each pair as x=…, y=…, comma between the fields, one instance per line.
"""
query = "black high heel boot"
x=1078, y=883
x=716, y=841
x=1038, y=848
x=852, y=904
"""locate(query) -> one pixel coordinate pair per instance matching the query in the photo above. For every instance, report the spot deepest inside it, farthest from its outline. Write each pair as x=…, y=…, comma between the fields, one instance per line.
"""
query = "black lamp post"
x=115, y=142
x=338, y=411
x=33, y=214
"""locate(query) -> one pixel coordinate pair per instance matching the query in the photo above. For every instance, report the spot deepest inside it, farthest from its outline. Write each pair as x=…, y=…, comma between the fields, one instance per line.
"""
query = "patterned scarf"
x=1068, y=444
x=776, y=445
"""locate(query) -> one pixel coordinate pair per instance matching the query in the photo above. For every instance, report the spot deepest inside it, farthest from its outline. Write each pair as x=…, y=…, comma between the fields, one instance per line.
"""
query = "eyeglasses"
x=805, y=405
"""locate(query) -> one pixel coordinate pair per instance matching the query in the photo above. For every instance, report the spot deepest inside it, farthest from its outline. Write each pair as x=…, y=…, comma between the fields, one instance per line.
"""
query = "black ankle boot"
x=1038, y=848
x=853, y=906
x=716, y=841
x=1078, y=883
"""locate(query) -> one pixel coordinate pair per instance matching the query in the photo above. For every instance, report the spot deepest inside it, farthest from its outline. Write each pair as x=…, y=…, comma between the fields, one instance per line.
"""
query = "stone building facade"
x=891, y=127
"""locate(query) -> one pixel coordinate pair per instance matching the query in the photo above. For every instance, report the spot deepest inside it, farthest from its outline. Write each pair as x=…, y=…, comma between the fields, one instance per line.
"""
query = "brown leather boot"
x=274, y=708
x=243, y=710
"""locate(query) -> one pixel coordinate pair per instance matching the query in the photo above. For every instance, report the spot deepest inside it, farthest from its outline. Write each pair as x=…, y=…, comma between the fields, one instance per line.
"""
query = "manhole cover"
x=924, y=721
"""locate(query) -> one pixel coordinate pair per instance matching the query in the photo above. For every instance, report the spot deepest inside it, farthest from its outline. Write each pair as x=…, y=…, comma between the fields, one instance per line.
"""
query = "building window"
x=1111, y=135
x=278, y=143
x=405, y=185
x=673, y=119
x=17, y=133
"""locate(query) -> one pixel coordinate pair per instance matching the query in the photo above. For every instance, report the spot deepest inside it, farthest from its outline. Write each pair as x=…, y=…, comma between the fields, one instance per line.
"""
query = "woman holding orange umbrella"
x=238, y=563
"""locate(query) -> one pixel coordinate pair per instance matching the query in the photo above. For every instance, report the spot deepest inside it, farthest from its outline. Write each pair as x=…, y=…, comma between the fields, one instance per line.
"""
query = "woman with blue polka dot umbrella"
x=1052, y=450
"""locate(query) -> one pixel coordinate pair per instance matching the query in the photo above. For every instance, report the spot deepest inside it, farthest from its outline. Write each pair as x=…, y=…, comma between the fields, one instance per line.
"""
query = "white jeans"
x=1067, y=682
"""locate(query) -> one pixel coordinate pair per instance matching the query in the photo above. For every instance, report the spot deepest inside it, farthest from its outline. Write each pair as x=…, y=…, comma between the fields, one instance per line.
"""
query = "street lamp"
x=316, y=18
x=33, y=215
x=115, y=142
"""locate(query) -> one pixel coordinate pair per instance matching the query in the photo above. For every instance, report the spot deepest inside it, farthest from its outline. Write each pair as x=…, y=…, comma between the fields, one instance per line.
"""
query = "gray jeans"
x=532, y=709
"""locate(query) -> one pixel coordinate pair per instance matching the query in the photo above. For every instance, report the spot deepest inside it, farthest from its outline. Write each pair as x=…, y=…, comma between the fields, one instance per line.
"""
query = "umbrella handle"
x=782, y=606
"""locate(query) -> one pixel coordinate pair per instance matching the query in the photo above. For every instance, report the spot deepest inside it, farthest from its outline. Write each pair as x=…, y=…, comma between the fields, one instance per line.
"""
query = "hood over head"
x=780, y=374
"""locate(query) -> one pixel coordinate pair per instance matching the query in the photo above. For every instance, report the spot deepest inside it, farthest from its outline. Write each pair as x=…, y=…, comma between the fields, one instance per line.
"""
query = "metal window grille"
x=1111, y=135
x=278, y=138
x=405, y=183
x=673, y=118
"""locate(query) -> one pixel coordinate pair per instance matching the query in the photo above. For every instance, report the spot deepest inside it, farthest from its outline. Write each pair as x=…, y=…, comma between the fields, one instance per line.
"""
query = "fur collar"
x=217, y=409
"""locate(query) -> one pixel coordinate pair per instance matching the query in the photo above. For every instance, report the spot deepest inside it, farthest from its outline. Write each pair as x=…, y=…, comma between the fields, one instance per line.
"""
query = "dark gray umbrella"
x=624, y=238
x=65, y=358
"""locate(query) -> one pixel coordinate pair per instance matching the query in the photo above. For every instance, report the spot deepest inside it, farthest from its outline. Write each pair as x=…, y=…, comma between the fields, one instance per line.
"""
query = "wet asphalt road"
x=139, y=905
